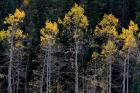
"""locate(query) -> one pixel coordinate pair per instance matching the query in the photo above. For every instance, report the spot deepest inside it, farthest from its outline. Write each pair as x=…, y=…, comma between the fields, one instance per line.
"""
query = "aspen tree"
x=13, y=33
x=48, y=38
x=75, y=21
x=130, y=44
x=95, y=59
x=107, y=31
x=107, y=28
x=109, y=50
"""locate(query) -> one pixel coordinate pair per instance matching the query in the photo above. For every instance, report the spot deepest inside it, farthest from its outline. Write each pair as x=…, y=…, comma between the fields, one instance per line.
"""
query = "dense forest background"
x=69, y=46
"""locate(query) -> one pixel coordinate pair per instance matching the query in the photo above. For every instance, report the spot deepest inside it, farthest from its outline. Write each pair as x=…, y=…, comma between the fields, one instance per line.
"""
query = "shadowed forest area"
x=69, y=46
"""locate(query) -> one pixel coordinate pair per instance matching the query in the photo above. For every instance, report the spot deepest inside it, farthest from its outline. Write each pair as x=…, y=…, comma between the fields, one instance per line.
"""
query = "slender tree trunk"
x=124, y=76
x=83, y=81
x=107, y=77
x=17, y=78
x=26, y=70
x=94, y=90
x=43, y=72
x=50, y=68
x=48, y=80
x=76, y=69
x=26, y=78
x=127, y=74
x=13, y=80
x=58, y=76
x=11, y=60
x=127, y=78
x=19, y=51
x=110, y=73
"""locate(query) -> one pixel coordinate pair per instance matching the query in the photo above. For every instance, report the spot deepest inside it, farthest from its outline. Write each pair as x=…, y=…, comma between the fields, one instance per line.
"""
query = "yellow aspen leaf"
x=51, y=26
x=132, y=26
x=76, y=16
x=128, y=36
x=95, y=55
x=13, y=20
x=19, y=14
x=60, y=21
x=2, y=35
x=18, y=44
x=107, y=27
x=109, y=48
x=48, y=33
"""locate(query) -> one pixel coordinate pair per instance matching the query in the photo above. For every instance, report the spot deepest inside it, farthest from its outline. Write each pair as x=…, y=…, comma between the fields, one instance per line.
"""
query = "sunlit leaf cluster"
x=75, y=16
x=109, y=48
x=107, y=27
x=13, y=20
x=128, y=36
x=48, y=33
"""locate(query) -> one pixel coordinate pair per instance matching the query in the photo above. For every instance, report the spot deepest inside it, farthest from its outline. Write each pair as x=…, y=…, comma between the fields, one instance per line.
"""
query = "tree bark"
x=94, y=90
x=11, y=60
x=110, y=73
x=43, y=72
x=124, y=76
x=127, y=74
x=26, y=71
x=76, y=69
x=48, y=79
x=18, y=73
x=49, y=69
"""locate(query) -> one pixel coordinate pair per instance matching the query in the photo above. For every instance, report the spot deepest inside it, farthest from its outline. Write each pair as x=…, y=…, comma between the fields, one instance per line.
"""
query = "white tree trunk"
x=124, y=76
x=94, y=90
x=58, y=86
x=76, y=69
x=127, y=74
x=19, y=51
x=26, y=70
x=48, y=79
x=43, y=72
x=49, y=69
x=110, y=73
x=11, y=60
x=18, y=77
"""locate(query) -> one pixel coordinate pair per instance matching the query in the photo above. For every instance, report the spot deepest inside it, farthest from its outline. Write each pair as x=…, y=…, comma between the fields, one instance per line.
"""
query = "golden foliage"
x=15, y=18
x=51, y=26
x=8, y=33
x=107, y=26
x=19, y=34
x=18, y=44
x=2, y=35
x=48, y=33
x=133, y=27
x=109, y=48
x=128, y=35
x=95, y=55
x=19, y=14
x=75, y=16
